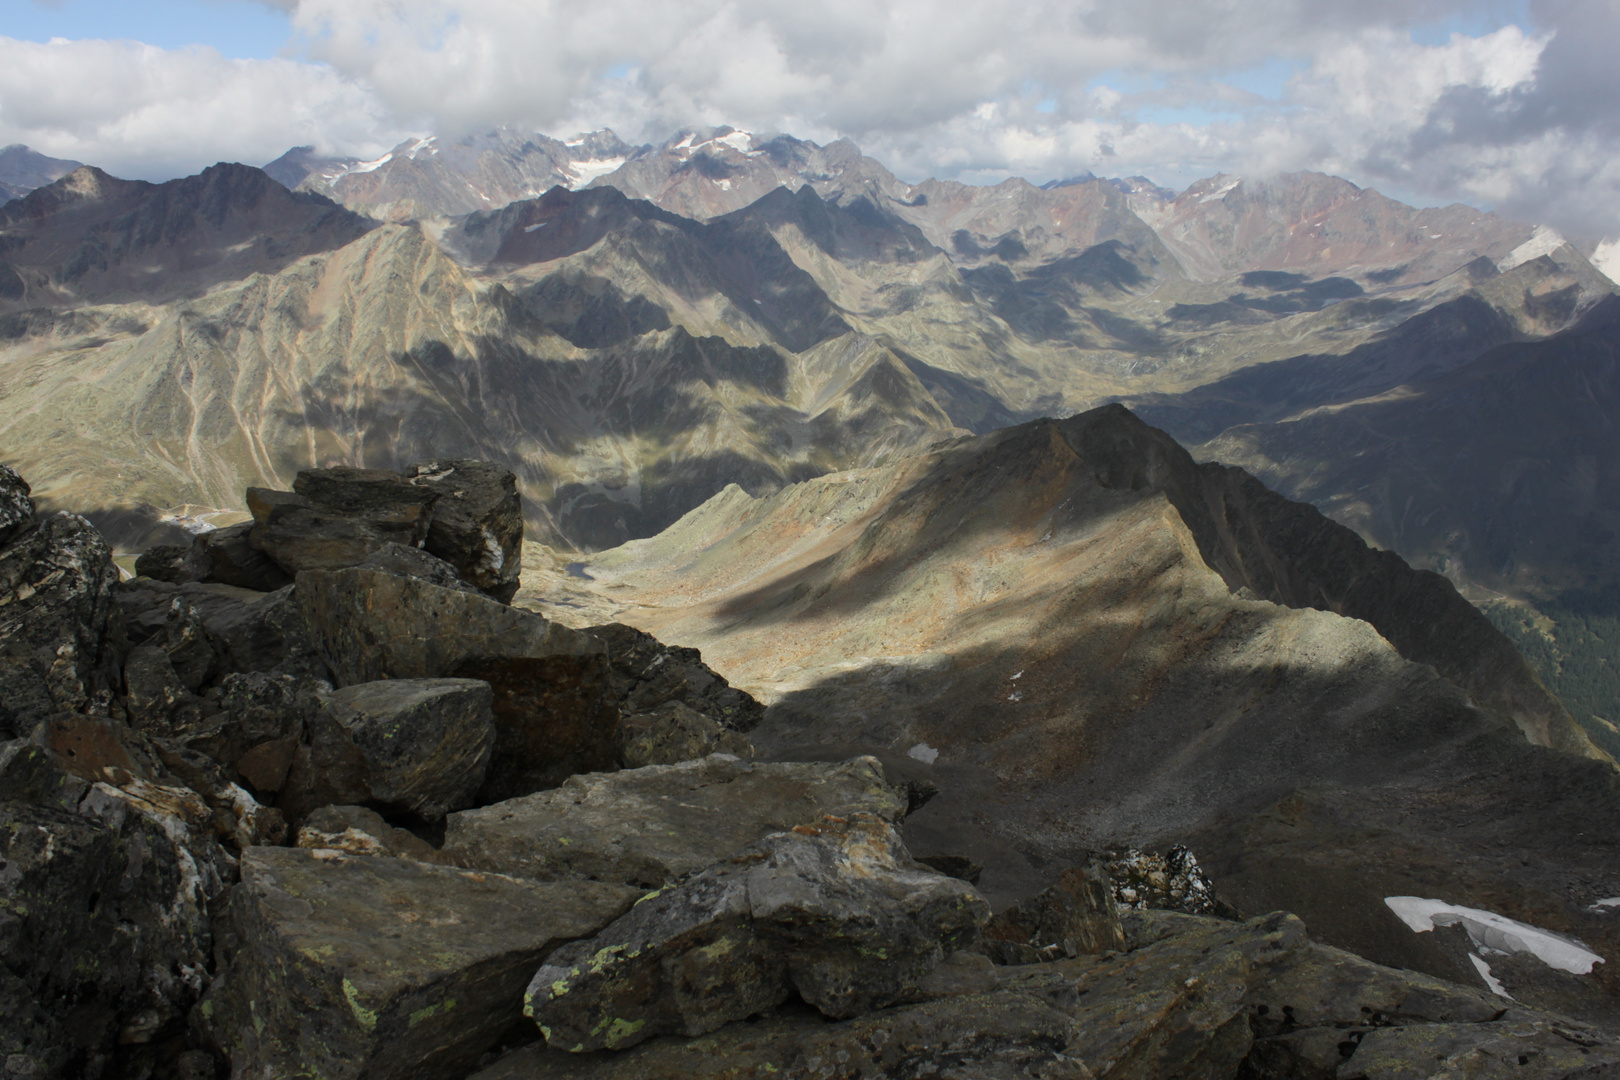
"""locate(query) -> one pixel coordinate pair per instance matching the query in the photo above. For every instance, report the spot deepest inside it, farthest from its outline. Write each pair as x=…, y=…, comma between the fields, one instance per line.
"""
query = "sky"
x=1513, y=105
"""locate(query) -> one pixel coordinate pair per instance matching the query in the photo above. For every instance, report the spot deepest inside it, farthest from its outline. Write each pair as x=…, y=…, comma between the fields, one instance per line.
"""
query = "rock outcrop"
x=351, y=966
x=56, y=580
x=417, y=748
x=835, y=910
x=650, y=826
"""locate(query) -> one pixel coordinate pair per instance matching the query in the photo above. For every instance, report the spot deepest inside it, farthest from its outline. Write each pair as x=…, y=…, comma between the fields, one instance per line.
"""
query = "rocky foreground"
x=309, y=797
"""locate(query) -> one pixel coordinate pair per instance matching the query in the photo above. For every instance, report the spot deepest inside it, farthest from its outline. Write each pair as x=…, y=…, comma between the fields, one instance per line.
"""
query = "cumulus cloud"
x=140, y=111
x=1519, y=117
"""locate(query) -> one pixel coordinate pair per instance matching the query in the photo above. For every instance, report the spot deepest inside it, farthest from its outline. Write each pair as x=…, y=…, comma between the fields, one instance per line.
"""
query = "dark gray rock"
x=359, y=830
x=477, y=522
x=1003, y=1035
x=836, y=911
x=228, y=556
x=412, y=747
x=108, y=865
x=336, y=517
x=56, y=580
x=675, y=732
x=647, y=673
x=260, y=725
x=164, y=562
x=649, y=826
x=554, y=717
x=1077, y=916
x=16, y=507
x=269, y=634
x=415, y=563
x=194, y=650
x=370, y=625
x=343, y=966
x=1177, y=1007
x=1533, y=1045
x=155, y=700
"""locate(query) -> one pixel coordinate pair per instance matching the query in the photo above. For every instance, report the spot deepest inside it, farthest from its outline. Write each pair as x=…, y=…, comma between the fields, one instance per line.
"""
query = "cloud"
x=1519, y=117
x=140, y=111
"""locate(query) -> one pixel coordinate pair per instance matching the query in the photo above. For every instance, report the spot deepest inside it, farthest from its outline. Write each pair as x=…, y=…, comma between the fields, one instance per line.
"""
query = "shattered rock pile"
x=309, y=797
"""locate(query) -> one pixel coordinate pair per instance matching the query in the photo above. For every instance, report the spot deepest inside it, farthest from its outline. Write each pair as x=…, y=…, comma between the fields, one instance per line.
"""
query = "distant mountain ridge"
x=22, y=170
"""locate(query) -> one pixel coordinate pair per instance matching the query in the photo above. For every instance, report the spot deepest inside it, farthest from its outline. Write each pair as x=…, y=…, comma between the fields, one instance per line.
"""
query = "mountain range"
x=635, y=328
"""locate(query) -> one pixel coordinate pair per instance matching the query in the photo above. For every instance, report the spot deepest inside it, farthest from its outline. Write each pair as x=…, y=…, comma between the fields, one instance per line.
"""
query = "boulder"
x=164, y=562
x=195, y=651
x=648, y=826
x=362, y=831
x=268, y=634
x=1182, y=1002
x=336, y=517
x=554, y=717
x=16, y=506
x=1075, y=917
x=675, y=732
x=343, y=966
x=415, y=563
x=228, y=556
x=369, y=625
x=56, y=579
x=108, y=865
x=836, y=911
x=647, y=673
x=155, y=700
x=103, y=934
x=477, y=521
x=260, y=725
x=412, y=747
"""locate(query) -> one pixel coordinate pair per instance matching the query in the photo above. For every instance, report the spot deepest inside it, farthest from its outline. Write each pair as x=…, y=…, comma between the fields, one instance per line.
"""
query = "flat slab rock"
x=350, y=966
x=648, y=826
x=370, y=625
x=836, y=911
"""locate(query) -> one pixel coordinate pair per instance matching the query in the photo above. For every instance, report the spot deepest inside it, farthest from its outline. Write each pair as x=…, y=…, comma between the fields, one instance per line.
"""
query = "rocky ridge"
x=1116, y=646
x=217, y=863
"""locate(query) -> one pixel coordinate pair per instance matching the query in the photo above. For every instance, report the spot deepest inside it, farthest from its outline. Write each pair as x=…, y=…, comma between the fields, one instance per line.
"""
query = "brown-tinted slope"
x=1058, y=623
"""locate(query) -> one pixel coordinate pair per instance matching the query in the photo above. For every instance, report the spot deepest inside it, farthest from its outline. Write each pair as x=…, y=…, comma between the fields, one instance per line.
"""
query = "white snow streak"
x=1488, y=930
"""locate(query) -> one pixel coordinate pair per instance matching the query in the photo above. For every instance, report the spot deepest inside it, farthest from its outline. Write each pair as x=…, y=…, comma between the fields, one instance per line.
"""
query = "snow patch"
x=1488, y=930
x=1221, y=191
x=923, y=753
x=585, y=170
x=737, y=140
x=1484, y=970
x=1543, y=241
x=1607, y=259
x=364, y=166
x=1605, y=904
x=531, y=228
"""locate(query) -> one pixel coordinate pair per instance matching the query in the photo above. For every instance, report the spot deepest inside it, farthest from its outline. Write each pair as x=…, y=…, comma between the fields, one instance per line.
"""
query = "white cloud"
x=141, y=111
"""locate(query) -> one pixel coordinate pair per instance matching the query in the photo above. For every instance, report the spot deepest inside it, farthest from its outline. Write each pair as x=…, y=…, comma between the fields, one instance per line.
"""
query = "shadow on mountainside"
x=1299, y=789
